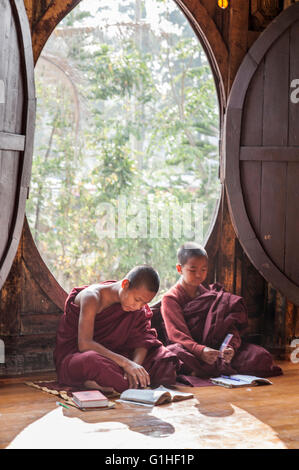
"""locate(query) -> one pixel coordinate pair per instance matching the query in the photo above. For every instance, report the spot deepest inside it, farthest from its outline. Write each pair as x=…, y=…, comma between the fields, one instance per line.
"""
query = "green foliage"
x=125, y=114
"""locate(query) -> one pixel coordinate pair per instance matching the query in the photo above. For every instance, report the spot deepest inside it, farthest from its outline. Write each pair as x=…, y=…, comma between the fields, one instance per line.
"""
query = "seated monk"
x=197, y=320
x=105, y=340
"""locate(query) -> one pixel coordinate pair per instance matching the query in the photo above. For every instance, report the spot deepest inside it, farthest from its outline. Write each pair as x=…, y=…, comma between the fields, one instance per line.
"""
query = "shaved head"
x=190, y=250
x=144, y=275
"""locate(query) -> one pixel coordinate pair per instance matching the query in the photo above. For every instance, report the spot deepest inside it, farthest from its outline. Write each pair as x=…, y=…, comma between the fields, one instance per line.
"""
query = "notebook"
x=240, y=380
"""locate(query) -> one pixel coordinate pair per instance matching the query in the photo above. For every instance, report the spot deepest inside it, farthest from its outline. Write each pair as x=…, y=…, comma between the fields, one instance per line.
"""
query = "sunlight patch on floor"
x=192, y=429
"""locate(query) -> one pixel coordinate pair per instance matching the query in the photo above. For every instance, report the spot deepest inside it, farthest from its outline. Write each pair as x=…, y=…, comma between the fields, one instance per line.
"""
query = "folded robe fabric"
x=119, y=331
x=192, y=324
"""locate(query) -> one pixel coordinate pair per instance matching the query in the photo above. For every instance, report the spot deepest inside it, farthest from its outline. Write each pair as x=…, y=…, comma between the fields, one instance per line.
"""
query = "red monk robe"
x=121, y=332
x=192, y=324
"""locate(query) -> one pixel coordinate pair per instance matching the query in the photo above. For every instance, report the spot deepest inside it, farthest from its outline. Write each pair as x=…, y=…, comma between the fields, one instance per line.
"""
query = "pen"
x=231, y=378
x=61, y=404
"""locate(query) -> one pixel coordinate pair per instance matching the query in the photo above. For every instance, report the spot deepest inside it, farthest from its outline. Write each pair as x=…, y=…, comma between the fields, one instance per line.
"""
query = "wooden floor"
x=256, y=417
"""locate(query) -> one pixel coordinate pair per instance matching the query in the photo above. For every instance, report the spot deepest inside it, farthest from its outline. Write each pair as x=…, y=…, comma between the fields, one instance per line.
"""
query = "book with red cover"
x=90, y=399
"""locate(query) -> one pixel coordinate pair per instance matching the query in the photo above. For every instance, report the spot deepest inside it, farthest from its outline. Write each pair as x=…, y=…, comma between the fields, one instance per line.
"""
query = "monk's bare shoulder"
x=92, y=293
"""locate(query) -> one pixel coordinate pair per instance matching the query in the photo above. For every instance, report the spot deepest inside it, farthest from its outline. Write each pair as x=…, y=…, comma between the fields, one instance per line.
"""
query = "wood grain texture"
x=292, y=222
x=238, y=27
x=256, y=417
x=273, y=205
x=17, y=116
x=276, y=92
x=259, y=189
x=40, y=272
x=45, y=21
x=226, y=254
x=10, y=141
x=293, y=136
x=22, y=295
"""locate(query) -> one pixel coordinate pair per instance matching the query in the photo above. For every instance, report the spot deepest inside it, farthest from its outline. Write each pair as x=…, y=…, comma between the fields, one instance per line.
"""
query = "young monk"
x=105, y=340
x=197, y=320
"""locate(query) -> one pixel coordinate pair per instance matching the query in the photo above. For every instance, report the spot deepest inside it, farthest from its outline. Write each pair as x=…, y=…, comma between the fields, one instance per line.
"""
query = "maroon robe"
x=121, y=332
x=192, y=324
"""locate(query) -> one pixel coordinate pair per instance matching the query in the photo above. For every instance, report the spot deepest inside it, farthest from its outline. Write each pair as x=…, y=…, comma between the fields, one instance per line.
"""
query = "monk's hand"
x=228, y=354
x=209, y=355
x=136, y=375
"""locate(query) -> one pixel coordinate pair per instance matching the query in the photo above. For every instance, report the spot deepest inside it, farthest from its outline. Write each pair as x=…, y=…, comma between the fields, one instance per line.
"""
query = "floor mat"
x=63, y=391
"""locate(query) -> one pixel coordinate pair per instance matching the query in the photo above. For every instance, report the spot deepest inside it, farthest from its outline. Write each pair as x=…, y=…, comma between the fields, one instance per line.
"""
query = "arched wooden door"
x=17, y=118
x=262, y=154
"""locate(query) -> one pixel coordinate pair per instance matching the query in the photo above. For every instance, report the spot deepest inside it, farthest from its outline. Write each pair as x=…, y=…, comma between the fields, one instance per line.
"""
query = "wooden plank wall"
x=31, y=301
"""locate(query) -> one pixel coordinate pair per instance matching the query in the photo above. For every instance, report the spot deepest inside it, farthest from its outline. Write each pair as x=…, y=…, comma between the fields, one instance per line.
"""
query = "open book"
x=152, y=397
x=239, y=380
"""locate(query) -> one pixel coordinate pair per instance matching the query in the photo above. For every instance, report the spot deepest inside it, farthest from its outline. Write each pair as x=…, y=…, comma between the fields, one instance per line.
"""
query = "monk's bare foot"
x=95, y=386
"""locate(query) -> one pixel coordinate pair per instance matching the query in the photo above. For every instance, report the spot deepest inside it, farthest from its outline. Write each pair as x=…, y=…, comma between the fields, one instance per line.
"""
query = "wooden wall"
x=31, y=301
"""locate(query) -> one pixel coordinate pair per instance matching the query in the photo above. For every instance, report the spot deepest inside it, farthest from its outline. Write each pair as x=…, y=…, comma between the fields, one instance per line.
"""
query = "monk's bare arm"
x=139, y=355
x=89, y=305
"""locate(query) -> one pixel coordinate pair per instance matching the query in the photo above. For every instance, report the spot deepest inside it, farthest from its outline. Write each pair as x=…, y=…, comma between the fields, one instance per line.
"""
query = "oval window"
x=125, y=164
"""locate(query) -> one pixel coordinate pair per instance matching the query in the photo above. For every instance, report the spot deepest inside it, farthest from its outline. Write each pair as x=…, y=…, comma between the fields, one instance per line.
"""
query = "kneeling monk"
x=197, y=320
x=105, y=340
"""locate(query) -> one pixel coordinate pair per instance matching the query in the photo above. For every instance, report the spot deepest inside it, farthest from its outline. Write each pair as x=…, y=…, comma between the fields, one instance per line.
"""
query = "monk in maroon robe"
x=105, y=340
x=197, y=320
